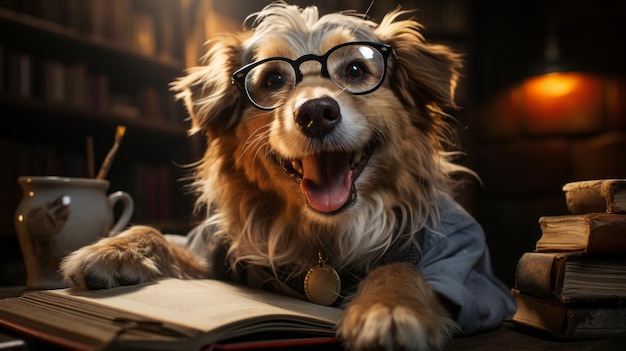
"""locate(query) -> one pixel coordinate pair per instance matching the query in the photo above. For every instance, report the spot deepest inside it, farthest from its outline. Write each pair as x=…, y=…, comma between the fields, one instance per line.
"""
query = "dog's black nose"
x=318, y=117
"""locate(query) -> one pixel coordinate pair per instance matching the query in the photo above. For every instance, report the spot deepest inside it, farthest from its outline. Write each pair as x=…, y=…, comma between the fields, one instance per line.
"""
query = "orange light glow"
x=564, y=102
x=554, y=85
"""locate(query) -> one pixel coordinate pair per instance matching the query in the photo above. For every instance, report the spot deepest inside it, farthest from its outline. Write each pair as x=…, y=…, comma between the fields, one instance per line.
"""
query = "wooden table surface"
x=510, y=338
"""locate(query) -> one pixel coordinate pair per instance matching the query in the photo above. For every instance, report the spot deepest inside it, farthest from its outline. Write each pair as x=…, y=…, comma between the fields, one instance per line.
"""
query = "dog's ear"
x=423, y=74
x=207, y=92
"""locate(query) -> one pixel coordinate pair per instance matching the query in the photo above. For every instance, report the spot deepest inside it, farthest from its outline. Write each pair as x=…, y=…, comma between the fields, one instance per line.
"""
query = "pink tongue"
x=327, y=181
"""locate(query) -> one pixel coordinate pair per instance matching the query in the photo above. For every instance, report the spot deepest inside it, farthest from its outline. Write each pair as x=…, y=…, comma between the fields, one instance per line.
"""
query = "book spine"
x=594, y=196
x=25, y=74
x=607, y=234
x=535, y=275
x=546, y=315
x=615, y=194
x=585, y=200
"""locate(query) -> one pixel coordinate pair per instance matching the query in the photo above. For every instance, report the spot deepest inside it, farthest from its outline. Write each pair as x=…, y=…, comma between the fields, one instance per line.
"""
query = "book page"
x=202, y=304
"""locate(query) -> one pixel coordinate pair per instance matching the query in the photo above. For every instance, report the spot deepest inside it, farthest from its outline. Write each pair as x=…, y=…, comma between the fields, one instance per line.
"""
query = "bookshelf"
x=73, y=69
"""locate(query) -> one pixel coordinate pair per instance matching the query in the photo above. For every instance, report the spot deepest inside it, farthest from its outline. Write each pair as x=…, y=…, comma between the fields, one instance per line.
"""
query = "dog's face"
x=322, y=130
x=335, y=120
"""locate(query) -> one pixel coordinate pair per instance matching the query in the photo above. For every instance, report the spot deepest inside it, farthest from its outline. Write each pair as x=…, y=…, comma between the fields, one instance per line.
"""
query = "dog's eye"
x=274, y=81
x=355, y=70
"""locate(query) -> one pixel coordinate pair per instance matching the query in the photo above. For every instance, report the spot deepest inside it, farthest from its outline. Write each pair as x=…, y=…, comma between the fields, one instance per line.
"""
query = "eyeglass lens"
x=353, y=68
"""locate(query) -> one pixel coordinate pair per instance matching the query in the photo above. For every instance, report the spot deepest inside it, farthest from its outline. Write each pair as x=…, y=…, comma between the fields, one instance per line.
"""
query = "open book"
x=169, y=314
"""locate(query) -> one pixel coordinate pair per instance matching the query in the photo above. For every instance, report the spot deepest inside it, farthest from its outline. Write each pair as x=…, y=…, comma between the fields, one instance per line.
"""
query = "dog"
x=329, y=176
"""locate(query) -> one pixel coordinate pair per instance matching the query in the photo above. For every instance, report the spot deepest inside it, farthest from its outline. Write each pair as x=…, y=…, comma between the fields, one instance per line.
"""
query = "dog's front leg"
x=395, y=309
x=137, y=255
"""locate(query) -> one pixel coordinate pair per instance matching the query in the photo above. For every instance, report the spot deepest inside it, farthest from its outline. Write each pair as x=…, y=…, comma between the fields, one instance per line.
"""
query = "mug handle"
x=127, y=212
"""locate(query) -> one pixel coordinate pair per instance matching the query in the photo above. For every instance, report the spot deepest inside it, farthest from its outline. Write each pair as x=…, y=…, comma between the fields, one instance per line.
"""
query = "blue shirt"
x=454, y=259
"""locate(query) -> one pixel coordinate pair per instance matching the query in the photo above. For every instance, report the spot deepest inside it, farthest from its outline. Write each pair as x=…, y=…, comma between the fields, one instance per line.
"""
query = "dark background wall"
x=523, y=159
x=510, y=36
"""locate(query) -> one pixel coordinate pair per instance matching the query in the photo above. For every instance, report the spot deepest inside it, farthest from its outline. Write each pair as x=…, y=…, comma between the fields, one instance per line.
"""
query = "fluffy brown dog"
x=326, y=177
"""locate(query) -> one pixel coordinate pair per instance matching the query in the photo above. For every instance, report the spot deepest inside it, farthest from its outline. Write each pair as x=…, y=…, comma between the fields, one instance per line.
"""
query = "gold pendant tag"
x=322, y=284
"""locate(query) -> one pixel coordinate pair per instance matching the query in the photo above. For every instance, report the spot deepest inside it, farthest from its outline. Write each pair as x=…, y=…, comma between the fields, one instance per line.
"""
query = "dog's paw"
x=130, y=258
x=389, y=323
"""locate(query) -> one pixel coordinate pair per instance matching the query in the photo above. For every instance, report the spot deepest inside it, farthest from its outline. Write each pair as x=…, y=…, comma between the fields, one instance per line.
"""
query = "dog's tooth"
x=356, y=158
x=297, y=166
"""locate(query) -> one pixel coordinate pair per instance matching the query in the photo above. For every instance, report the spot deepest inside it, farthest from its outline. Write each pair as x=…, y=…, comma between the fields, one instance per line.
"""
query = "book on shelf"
x=76, y=85
x=166, y=36
x=569, y=321
x=169, y=314
x=54, y=81
x=572, y=277
x=589, y=232
x=602, y=195
x=143, y=32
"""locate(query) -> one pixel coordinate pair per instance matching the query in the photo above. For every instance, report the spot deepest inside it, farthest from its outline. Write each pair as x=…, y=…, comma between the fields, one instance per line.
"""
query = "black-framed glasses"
x=357, y=67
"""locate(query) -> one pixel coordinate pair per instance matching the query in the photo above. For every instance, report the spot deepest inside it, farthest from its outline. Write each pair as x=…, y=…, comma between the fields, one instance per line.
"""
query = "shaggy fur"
x=260, y=215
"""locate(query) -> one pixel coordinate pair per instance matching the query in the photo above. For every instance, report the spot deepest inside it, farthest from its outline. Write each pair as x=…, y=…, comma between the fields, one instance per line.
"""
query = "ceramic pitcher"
x=58, y=215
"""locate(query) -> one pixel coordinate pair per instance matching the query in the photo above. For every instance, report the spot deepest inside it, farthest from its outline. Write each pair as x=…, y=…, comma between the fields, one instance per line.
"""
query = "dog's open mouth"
x=327, y=179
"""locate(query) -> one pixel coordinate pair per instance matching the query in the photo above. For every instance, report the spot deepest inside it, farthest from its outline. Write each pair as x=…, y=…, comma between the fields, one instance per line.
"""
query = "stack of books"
x=574, y=284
